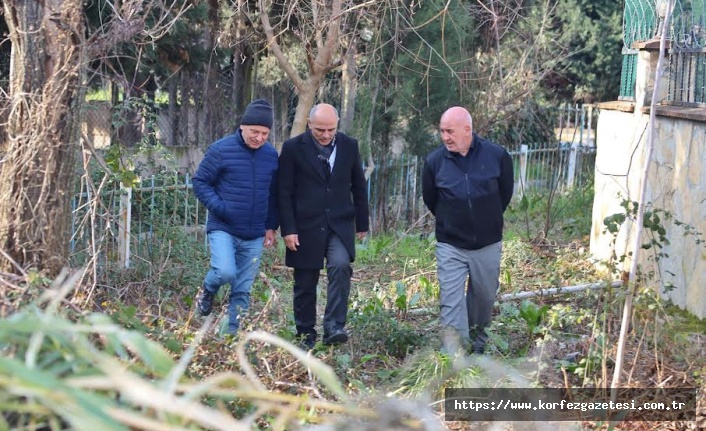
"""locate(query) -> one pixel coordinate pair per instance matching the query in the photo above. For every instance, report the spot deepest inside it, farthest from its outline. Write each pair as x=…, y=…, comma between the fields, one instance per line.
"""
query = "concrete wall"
x=676, y=184
x=96, y=128
x=182, y=159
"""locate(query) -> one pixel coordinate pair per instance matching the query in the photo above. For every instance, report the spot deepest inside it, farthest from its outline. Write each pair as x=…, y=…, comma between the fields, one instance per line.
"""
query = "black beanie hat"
x=258, y=113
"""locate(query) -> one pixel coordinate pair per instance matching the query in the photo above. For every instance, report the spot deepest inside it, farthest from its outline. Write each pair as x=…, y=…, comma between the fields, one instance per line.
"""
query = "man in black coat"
x=323, y=205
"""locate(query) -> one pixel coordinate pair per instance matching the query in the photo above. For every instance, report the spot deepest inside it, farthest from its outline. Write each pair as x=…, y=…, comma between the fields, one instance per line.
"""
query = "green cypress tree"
x=592, y=31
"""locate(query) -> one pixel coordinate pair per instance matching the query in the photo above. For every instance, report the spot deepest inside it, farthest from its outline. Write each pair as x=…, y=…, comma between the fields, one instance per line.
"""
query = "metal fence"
x=687, y=55
x=136, y=224
x=642, y=21
x=125, y=225
x=395, y=188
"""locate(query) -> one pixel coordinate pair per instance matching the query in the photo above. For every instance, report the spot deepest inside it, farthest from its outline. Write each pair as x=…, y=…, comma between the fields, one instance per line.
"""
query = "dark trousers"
x=339, y=272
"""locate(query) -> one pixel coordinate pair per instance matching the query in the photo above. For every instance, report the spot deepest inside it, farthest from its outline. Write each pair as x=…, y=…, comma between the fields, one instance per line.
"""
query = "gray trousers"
x=468, y=282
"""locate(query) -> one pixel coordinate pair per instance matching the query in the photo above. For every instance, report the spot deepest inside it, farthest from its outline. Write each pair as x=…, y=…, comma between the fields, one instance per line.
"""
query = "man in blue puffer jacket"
x=236, y=182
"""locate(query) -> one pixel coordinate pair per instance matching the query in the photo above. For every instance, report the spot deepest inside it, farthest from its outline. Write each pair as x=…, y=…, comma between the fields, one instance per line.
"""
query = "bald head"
x=456, y=128
x=323, y=110
x=458, y=114
x=323, y=123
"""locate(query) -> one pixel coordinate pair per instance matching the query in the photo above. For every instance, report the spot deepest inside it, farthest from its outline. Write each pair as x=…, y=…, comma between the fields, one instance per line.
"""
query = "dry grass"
x=273, y=385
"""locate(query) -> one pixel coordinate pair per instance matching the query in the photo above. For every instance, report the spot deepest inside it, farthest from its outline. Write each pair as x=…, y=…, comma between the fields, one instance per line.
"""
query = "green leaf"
x=386, y=374
x=426, y=286
x=499, y=341
x=368, y=357
x=400, y=287
x=173, y=345
x=153, y=354
x=29, y=321
x=401, y=302
x=84, y=411
x=343, y=360
x=415, y=299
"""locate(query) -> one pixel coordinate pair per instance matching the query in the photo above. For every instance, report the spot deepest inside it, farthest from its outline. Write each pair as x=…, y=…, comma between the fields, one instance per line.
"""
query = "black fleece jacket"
x=468, y=194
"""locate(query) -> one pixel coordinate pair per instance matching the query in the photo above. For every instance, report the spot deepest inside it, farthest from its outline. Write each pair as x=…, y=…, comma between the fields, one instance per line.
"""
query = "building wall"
x=676, y=184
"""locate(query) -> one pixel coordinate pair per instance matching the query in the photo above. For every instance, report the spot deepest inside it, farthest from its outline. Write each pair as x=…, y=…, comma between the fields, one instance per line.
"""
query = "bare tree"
x=325, y=29
x=37, y=169
x=50, y=54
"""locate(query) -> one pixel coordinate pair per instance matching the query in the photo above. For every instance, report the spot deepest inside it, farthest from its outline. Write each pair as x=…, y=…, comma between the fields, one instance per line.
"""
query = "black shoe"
x=205, y=302
x=478, y=350
x=338, y=336
x=306, y=341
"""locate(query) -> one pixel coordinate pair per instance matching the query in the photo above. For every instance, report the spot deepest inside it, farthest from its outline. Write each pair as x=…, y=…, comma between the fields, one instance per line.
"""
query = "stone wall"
x=676, y=184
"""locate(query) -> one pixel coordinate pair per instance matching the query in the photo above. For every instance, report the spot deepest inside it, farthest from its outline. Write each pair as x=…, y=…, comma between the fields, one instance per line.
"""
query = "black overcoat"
x=310, y=202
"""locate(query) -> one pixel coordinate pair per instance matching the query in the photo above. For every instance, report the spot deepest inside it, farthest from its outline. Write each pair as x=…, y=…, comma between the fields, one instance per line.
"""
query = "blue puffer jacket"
x=238, y=186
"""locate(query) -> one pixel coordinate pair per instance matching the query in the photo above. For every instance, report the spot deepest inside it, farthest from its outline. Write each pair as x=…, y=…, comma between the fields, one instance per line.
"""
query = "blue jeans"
x=235, y=261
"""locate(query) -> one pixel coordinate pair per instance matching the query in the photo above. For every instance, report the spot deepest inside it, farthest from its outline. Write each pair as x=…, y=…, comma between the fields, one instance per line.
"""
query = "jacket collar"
x=476, y=145
x=241, y=141
x=311, y=153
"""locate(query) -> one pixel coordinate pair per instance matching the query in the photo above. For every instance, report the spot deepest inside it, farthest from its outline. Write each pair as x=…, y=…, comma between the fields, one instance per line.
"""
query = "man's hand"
x=291, y=241
x=270, y=238
x=361, y=235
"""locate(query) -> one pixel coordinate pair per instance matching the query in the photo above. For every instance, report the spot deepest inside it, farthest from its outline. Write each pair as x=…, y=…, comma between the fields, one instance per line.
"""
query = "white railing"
x=122, y=226
x=550, y=167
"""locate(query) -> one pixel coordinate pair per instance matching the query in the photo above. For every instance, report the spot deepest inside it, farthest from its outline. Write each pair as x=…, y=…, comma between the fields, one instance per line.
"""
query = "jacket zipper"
x=254, y=190
x=468, y=194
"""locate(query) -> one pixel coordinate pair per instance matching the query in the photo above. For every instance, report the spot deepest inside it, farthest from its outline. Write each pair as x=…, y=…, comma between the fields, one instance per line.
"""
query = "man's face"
x=455, y=133
x=255, y=136
x=323, y=127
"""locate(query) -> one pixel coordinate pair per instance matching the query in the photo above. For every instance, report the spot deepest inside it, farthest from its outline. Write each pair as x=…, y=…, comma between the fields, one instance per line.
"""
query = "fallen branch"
x=540, y=292
x=558, y=290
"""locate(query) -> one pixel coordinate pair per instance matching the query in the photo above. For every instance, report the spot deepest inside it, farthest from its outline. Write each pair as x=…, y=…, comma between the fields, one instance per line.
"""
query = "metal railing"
x=640, y=23
x=126, y=224
x=395, y=188
x=131, y=224
x=687, y=55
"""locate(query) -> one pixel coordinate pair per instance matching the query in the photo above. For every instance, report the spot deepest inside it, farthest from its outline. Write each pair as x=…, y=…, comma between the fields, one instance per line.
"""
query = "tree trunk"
x=307, y=94
x=369, y=134
x=349, y=76
x=326, y=48
x=172, y=135
x=283, y=110
x=38, y=171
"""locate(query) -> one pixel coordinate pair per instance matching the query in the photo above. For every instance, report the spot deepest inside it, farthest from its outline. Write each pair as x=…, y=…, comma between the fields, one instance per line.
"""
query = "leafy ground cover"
x=392, y=362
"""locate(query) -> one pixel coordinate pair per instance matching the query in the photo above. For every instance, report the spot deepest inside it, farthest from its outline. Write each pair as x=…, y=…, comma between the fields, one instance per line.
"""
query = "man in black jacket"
x=467, y=184
x=323, y=203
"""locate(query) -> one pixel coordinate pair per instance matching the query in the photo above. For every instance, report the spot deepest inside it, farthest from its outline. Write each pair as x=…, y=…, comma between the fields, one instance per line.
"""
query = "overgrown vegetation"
x=141, y=321
x=105, y=347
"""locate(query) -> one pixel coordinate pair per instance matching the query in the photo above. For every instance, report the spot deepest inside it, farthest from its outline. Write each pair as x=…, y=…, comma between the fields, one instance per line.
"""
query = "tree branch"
x=276, y=49
x=642, y=202
x=323, y=63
